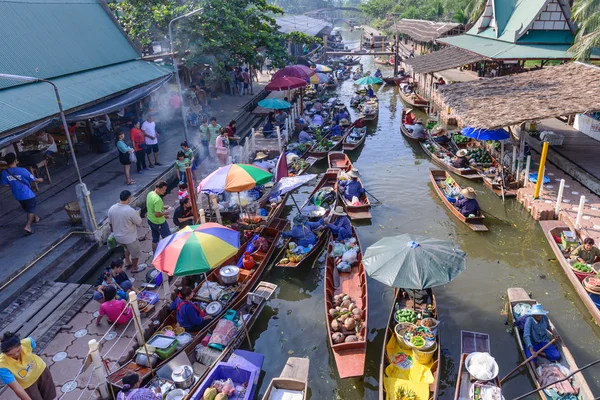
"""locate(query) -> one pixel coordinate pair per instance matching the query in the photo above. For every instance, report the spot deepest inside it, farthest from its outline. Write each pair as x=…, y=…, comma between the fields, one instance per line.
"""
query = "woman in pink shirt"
x=222, y=148
x=113, y=309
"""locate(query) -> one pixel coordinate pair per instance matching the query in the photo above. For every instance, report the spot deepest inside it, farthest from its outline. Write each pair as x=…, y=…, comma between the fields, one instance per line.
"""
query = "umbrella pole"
x=209, y=205
x=294, y=200
x=241, y=208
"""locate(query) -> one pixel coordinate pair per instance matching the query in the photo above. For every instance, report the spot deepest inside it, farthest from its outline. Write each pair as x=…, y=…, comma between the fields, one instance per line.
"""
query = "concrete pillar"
x=514, y=159
x=85, y=208
x=561, y=189
x=252, y=138
x=98, y=368
x=136, y=313
x=580, y=212
x=526, y=179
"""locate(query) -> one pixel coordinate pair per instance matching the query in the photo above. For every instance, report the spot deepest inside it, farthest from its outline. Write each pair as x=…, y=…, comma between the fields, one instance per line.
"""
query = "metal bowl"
x=313, y=211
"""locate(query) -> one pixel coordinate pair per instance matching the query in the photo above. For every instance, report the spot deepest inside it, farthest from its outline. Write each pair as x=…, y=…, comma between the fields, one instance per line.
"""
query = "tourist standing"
x=239, y=79
x=23, y=371
x=124, y=155
x=204, y=136
x=19, y=180
x=149, y=129
x=247, y=81
x=157, y=213
x=214, y=130
x=222, y=147
x=139, y=145
x=124, y=221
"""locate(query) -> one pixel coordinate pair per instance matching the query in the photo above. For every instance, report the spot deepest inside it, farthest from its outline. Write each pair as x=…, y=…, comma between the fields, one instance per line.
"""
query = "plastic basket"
x=73, y=212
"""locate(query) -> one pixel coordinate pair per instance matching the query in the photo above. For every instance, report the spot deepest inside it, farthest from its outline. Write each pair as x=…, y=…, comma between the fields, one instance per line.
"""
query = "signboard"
x=588, y=125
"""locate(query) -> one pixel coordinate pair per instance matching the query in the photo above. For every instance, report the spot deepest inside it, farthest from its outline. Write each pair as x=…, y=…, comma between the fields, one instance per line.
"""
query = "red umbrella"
x=296, y=71
x=285, y=83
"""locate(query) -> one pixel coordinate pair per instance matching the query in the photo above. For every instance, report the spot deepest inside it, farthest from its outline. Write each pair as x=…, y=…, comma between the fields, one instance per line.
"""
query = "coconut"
x=346, y=298
x=346, y=304
x=338, y=308
x=344, y=310
x=352, y=306
x=332, y=311
x=356, y=311
x=357, y=318
x=350, y=324
x=337, y=337
x=335, y=325
x=351, y=338
x=343, y=318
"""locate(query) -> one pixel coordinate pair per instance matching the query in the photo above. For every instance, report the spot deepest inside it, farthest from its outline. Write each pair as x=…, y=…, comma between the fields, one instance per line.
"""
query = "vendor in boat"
x=418, y=296
x=303, y=231
x=317, y=120
x=536, y=334
x=341, y=227
x=586, y=253
x=418, y=129
x=342, y=114
x=370, y=92
x=304, y=137
x=378, y=73
x=189, y=316
x=461, y=160
x=441, y=136
x=466, y=203
x=260, y=160
x=335, y=129
x=409, y=117
x=359, y=123
x=318, y=107
x=352, y=188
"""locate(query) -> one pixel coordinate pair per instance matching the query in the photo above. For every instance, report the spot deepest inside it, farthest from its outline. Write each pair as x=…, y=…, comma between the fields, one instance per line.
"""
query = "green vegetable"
x=581, y=267
x=460, y=139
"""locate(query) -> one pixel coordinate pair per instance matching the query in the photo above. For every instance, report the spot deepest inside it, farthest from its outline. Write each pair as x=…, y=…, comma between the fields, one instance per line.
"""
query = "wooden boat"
x=414, y=100
x=355, y=139
x=397, y=80
x=519, y=295
x=246, y=281
x=468, y=173
x=319, y=155
x=552, y=230
x=405, y=303
x=490, y=181
x=329, y=180
x=341, y=161
x=440, y=183
x=373, y=111
x=293, y=380
x=250, y=303
x=409, y=134
x=349, y=357
x=331, y=85
x=351, y=60
x=381, y=61
x=471, y=342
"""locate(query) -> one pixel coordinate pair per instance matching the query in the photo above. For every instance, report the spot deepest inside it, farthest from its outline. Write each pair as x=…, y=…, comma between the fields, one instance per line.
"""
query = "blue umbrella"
x=275, y=104
x=369, y=80
x=485, y=134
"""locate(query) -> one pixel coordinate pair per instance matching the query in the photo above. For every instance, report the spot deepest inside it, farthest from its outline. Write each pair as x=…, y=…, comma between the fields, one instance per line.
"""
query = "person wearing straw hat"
x=418, y=129
x=341, y=115
x=409, y=117
x=302, y=232
x=466, y=203
x=261, y=162
x=352, y=188
x=537, y=334
x=335, y=129
x=461, y=160
x=341, y=227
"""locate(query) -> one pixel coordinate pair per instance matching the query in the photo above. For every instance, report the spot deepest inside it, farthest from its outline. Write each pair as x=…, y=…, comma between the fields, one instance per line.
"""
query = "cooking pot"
x=183, y=377
x=176, y=394
x=229, y=274
x=141, y=358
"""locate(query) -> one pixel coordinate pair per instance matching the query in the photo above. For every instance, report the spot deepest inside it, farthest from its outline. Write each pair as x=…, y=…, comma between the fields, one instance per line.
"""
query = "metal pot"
x=183, y=377
x=141, y=358
x=229, y=274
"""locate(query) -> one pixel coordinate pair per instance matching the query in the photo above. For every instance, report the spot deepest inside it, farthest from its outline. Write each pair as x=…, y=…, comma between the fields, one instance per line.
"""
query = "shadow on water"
x=514, y=253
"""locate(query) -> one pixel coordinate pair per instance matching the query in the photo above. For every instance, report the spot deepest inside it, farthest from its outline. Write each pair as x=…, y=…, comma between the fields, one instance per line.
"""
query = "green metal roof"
x=511, y=18
x=24, y=104
x=500, y=50
x=50, y=38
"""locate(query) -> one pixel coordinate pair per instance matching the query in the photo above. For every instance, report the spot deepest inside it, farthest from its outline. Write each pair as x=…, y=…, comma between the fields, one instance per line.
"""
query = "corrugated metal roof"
x=424, y=31
x=31, y=102
x=50, y=38
x=304, y=24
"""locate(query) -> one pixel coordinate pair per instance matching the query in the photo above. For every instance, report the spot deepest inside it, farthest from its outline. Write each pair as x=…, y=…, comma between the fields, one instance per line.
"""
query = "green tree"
x=586, y=13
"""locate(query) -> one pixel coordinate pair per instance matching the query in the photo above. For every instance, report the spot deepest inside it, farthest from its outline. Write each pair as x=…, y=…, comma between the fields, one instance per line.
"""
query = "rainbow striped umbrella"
x=196, y=249
x=234, y=178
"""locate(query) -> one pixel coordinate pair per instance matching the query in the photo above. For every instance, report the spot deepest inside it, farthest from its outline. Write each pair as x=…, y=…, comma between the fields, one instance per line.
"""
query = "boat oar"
x=245, y=329
x=374, y=198
x=496, y=217
x=527, y=360
x=558, y=381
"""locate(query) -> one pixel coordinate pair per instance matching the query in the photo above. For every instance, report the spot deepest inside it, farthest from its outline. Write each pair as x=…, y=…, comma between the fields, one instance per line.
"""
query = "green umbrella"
x=413, y=262
x=369, y=80
x=275, y=104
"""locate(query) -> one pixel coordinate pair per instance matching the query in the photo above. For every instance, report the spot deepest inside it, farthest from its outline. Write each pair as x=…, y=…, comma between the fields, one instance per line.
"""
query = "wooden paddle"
x=527, y=360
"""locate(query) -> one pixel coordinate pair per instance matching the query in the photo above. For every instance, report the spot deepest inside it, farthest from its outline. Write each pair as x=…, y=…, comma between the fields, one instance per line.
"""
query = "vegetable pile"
x=222, y=389
x=480, y=156
x=417, y=336
x=460, y=139
x=346, y=320
x=581, y=267
x=406, y=316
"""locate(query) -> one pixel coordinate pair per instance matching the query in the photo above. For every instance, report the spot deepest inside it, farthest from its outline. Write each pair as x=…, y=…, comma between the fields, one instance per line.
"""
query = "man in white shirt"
x=151, y=140
x=124, y=221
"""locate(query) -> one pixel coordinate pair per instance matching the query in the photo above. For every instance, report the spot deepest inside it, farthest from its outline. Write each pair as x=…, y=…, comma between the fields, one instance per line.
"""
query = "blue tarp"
x=485, y=134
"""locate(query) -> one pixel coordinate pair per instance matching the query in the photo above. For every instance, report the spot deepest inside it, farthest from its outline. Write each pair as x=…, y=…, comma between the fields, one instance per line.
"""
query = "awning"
x=425, y=31
x=450, y=57
x=29, y=104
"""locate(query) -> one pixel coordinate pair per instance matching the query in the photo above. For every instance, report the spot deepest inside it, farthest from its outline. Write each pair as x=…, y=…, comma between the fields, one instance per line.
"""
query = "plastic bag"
x=350, y=256
x=228, y=387
x=111, y=241
x=338, y=249
x=344, y=267
x=355, y=201
x=132, y=157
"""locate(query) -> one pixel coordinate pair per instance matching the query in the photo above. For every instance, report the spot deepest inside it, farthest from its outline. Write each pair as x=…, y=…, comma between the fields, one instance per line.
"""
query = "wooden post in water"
x=514, y=159
x=580, y=212
x=561, y=189
x=133, y=300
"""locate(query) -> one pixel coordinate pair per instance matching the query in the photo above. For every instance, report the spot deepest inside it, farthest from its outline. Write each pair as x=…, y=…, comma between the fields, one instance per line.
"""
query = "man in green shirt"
x=214, y=130
x=204, y=135
x=586, y=253
x=157, y=214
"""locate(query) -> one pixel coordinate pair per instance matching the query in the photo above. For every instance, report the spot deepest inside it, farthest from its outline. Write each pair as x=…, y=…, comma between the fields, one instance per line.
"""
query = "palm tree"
x=474, y=9
x=586, y=13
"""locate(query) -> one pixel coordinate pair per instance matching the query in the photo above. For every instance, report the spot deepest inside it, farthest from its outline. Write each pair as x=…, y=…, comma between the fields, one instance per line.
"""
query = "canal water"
x=514, y=253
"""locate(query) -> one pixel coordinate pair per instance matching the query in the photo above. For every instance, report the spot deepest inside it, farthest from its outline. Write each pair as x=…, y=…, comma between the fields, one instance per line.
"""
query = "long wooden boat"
x=471, y=342
x=319, y=155
x=293, y=380
x=349, y=357
x=250, y=303
x=354, y=142
x=397, y=80
x=246, y=281
x=439, y=180
x=329, y=180
x=519, y=295
x=374, y=112
x=410, y=135
x=552, y=230
x=490, y=182
x=414, y=100
x=341, y=161
x=381, y=61
x=468, y=173
x=405, y=303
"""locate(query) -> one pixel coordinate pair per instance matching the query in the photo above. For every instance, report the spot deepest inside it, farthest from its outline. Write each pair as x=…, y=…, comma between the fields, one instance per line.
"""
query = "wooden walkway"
x=42, y=310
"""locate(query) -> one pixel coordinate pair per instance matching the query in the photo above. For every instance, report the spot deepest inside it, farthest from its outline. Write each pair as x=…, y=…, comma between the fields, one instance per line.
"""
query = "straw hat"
x=260, y=156
x=353, y=173
x=468, y=193
x=461, y=153
x=537, y=309
x=344, y=122
x=299, y=219
x=339, y=210
x=409, y=110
